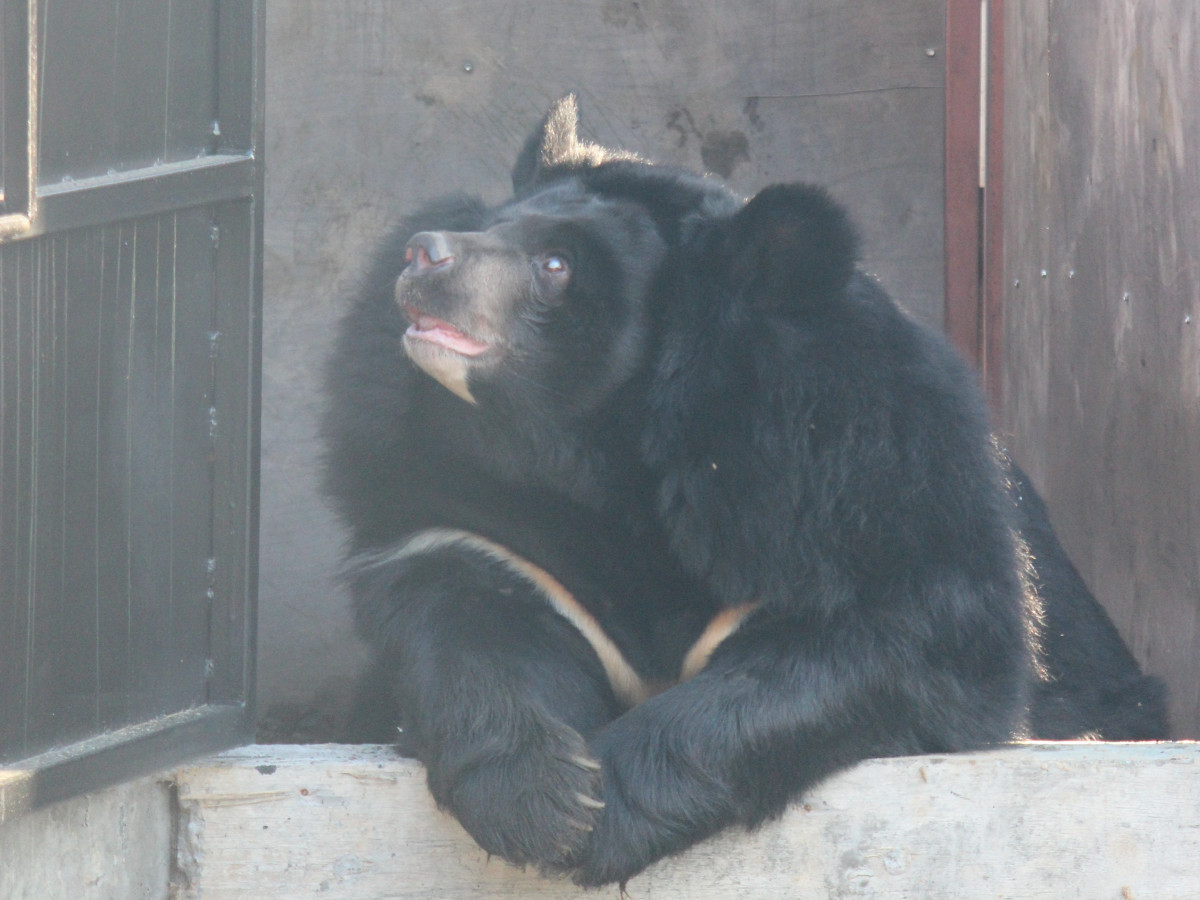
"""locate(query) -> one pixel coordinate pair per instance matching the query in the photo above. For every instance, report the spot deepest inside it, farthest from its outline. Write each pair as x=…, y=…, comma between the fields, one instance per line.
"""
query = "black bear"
x=661, y=511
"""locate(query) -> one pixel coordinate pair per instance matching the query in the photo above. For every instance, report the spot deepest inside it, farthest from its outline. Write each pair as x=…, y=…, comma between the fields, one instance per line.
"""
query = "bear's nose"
x=428, y=251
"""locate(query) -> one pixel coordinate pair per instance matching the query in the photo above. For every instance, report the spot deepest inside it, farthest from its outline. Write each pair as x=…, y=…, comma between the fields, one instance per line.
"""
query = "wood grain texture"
x=1041, y=821
x=1102, y=274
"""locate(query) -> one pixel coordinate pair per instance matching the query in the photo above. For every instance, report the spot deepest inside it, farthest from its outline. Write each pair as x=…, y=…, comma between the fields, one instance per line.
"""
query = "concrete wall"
x=110, y=845
x=375, y=105
x=1103, y=822
x=1102, y=306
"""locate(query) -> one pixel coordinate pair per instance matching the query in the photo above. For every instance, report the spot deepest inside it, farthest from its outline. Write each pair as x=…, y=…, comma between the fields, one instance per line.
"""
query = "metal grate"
x=129, y=360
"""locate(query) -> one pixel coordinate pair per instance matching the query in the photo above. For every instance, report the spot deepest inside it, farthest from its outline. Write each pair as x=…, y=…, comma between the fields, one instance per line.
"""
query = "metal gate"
x=130, y=291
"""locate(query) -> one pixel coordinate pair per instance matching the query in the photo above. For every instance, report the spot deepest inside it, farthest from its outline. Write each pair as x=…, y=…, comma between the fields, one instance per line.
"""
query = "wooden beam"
x=1036, y=821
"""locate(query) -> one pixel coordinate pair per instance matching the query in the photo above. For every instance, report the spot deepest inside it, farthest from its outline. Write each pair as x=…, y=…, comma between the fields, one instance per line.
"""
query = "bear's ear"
x=555, y=145
x=552, y=143
x=791, y=248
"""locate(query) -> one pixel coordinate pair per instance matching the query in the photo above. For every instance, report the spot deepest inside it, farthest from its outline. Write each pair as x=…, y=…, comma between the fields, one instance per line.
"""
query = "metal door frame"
x=29, y=210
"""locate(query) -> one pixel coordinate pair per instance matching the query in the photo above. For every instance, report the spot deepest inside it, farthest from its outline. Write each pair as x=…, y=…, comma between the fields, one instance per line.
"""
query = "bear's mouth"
x=433, y=330
x=444, y=351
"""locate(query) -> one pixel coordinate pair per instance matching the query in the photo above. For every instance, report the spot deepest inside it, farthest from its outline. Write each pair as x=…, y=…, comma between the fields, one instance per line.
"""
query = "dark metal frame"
x=228, y=180
x=16, y=176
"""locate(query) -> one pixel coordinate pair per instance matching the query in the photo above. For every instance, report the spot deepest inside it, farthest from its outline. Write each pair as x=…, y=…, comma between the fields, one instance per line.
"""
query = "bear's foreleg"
x=783, y=702
x=496, y=691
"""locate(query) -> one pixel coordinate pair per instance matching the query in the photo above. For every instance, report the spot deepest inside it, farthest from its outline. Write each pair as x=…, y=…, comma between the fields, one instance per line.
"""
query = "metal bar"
x=127, y=195
x=19, y=153
x=992, y=251
x=963, y=194
x=238, y=102
x=119, y=755
x=236, y=389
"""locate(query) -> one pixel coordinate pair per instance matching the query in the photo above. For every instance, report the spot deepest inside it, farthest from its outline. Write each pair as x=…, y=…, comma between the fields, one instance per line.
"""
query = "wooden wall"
x=1102, y=278
x=376, y=105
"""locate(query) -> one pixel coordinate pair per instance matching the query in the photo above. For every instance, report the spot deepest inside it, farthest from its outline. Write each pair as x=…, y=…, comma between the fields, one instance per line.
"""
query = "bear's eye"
x=551, y=276
x=555, y=265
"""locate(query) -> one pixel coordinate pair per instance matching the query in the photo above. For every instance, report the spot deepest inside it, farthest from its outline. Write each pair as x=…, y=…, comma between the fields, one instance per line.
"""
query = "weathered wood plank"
x=1102, y=310
x=1041, y=821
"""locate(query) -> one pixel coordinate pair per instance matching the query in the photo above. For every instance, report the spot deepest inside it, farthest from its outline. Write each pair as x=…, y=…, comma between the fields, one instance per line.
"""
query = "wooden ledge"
x=1095, y=821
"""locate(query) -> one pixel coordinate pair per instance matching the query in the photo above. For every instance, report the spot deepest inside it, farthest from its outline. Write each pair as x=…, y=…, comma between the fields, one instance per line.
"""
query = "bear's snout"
x=428, y=251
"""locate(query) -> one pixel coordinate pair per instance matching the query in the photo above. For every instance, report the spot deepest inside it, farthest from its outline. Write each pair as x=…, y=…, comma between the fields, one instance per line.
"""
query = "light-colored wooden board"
x=1095, y=821
x=1102, y=307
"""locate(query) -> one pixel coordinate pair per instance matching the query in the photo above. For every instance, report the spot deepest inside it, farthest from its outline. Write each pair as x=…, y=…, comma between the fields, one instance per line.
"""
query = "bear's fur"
x=661, y=511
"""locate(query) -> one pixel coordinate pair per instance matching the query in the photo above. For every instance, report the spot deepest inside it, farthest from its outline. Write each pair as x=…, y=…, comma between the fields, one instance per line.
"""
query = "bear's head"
x=552, y=296
x=544, y=296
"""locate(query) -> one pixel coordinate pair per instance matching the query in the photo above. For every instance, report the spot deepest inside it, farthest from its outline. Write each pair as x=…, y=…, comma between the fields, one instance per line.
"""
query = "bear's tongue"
x=427, y=328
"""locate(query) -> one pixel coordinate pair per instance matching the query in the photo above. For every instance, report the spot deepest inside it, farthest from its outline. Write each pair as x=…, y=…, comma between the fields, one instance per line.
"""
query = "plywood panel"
x=1103, y=307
